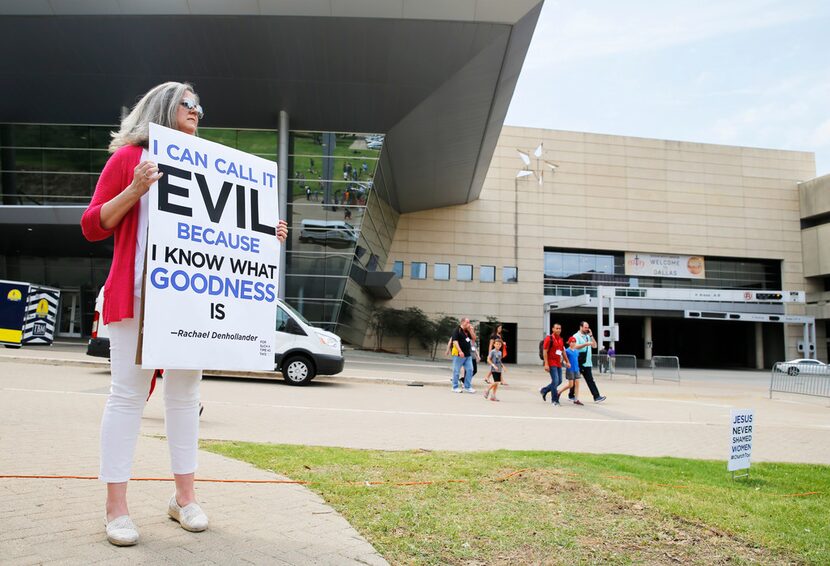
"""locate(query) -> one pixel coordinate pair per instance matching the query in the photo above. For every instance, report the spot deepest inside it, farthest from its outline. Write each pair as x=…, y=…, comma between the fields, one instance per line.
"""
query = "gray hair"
x=159, y=105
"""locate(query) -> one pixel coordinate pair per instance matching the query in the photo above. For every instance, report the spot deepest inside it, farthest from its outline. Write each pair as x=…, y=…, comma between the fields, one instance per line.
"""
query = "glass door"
x=69, y=313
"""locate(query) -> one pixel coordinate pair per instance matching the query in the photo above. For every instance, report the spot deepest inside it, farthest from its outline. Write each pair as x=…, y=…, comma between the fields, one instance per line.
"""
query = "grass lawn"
x=563, y=508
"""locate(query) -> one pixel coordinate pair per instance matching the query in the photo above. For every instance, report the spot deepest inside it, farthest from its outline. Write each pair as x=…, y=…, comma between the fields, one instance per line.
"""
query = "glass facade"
x=47, y=164
x=331, y=178
x=339, y=218
x=572, y=273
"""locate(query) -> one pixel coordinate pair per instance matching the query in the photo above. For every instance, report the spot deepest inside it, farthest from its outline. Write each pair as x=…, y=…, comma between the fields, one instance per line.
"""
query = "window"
x=287, y=324
x=510, y=275
x=372, y=264
x=397, y=267
x=487, y=273
x=442, y=271
x=418, y=270
x=464, y=272
x=568, y=272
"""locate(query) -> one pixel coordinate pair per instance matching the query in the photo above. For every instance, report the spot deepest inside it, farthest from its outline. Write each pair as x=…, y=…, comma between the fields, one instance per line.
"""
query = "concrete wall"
x=814, y=199
x=814, y=196
x=610, y=193
x=816, y=250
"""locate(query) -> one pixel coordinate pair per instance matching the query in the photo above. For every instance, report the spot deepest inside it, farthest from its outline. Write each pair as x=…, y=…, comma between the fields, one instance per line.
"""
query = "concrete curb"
x=274, y=376
x=54, y=361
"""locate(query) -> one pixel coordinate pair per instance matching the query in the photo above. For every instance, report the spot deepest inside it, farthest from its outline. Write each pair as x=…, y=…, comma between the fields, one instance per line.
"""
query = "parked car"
x=99, y=341
x=375, y=141
x=302, y=351
x=794, y=367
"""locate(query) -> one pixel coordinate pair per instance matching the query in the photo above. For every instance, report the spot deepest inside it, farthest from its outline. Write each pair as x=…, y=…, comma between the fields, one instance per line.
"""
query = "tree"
x=440, y=330
x=384, y=321
x=414, y=323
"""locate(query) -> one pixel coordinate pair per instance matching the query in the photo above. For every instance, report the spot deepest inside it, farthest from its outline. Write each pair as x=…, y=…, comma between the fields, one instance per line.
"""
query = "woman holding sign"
x=119, y=208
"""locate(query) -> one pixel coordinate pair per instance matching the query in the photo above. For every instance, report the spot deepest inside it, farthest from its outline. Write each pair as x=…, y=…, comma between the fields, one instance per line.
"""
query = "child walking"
x=572, y=374
x=496, y=369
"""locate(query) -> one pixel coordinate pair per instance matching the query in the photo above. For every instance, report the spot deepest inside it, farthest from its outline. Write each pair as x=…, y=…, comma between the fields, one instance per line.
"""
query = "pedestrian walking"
x=494, y=361
x=612, y=355
x=553, y=347
x=584, y=343
x=498, y=333
x=462, y=357
x=572, y=374
x=474, y=349
x=603, y=358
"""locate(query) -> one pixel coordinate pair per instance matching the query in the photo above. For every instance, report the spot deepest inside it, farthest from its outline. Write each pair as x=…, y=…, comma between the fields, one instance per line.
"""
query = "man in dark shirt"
x=462, y=356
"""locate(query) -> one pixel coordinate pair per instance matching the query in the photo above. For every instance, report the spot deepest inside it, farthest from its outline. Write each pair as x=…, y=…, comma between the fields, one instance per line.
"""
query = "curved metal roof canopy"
x=435, y=76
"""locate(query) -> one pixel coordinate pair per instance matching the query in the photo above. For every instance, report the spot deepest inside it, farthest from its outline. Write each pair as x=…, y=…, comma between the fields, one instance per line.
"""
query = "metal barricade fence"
x=621, y=364
x=665, y=367
x=800, y=379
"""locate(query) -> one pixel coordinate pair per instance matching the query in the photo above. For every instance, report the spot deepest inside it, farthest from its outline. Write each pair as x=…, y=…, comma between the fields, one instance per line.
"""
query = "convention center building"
x=404, y=188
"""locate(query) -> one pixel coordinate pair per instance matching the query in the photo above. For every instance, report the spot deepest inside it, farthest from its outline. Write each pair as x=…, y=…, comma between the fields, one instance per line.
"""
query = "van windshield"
x=295, y=313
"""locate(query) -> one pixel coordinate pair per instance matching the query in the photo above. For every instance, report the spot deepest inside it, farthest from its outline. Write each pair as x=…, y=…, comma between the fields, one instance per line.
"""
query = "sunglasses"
x=191, y=105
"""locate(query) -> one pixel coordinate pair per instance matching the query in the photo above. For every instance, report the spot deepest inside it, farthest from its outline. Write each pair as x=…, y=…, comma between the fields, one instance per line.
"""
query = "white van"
x=328, y=232
x=302, y=351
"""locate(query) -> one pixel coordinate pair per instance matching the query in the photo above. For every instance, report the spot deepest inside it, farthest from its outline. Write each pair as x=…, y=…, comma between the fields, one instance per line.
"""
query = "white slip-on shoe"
x=190, y=517
x=121, y=531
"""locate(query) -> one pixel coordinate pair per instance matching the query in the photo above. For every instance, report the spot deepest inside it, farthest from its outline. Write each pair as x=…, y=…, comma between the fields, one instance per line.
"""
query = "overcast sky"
x=748, y=72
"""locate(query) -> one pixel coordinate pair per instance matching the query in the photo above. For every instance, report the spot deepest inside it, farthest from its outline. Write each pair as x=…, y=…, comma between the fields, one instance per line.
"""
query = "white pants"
x=128, y=395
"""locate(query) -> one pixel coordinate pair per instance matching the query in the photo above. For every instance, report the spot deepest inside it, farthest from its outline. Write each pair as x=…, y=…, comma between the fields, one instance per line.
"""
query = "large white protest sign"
x=741, y=430
x=212, y=253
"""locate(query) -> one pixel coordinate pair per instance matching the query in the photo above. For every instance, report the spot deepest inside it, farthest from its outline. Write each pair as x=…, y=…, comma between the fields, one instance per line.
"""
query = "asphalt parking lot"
x=390, y=402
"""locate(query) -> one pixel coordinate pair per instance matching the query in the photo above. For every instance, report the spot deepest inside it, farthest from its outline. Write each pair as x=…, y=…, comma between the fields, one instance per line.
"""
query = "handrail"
x=800, y=379
x=665, y=367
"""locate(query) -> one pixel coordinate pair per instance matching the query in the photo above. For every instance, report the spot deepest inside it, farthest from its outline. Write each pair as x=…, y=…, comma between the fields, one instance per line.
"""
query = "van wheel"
x=297, y=370
x=792, y=371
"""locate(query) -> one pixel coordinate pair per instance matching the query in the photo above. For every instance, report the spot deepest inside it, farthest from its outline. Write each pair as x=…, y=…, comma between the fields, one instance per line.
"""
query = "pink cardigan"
x=116, y=176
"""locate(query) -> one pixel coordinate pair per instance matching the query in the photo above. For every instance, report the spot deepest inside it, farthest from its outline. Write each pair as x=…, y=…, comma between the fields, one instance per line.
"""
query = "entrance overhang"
x=435, y=77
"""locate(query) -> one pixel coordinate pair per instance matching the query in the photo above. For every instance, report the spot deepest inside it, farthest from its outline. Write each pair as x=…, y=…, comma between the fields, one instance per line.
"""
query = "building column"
x=649, y=344
x=759, y=345
x=282, y=184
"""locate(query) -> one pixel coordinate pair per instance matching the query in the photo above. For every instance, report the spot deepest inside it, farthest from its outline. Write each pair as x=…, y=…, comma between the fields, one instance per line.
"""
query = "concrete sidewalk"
x=51, y=401
x=62, y=521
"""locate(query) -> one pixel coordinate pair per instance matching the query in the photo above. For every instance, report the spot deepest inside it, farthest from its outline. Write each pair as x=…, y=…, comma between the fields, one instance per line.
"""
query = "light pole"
x=519, y=175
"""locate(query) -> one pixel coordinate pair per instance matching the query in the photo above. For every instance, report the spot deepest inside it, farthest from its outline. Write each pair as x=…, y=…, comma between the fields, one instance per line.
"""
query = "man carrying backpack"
x=552, y=348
